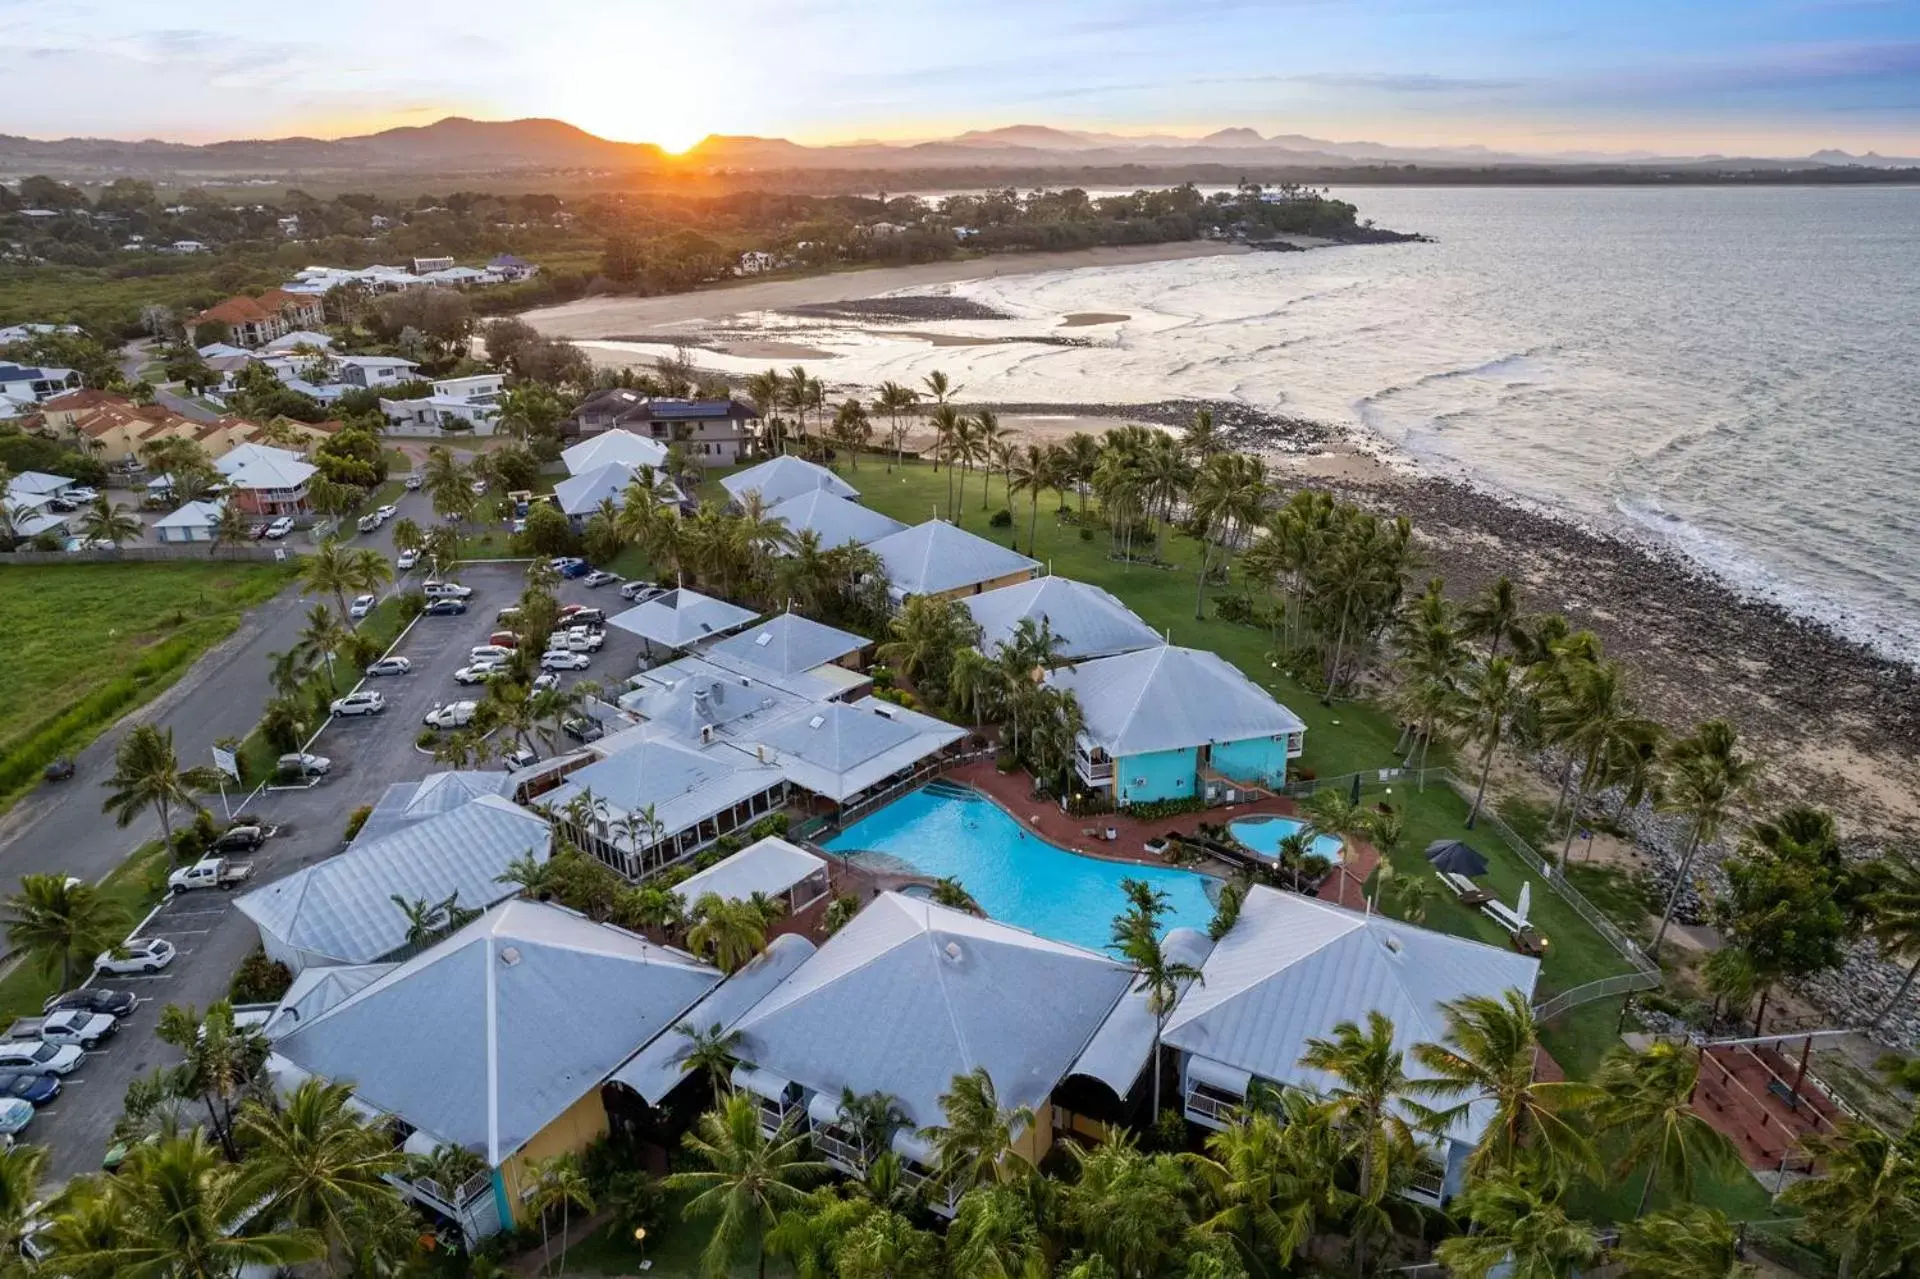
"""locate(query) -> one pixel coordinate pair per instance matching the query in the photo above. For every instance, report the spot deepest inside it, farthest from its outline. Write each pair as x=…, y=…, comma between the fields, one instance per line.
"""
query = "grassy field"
x=86, y=643
x=135, y=886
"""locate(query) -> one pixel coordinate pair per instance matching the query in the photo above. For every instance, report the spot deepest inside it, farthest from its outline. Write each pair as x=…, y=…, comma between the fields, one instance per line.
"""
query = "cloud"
x=1401, y=82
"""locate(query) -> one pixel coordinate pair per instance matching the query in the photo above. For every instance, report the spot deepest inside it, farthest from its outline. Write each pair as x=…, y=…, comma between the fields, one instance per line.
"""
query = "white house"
x=470, y=404
x=30, y=384
x=371, y=372
x=194, y=522
x=26, y=332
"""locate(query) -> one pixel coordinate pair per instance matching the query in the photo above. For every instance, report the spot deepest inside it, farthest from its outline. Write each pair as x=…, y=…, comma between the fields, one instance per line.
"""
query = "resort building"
x=497, y=1041
x=717, y=432
x=846, y=752
x=771, y=867
x=1294, y=967
x=255, y=321
x=1088, y=621
x=1176, y=723
x=835, y=521
x=903, y=999
x=579, y=495
x=680, y=619
x=623, y=447
x=797, y=655
x=445, y=839
x=937, y=559
x=783, y=477
x=263, y=480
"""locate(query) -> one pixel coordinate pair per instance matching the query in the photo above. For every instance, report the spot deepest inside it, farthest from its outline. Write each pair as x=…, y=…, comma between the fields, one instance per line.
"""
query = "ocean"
x=1729, y=372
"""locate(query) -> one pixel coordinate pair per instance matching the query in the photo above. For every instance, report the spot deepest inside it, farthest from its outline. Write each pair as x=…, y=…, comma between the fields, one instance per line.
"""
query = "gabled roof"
x=1170, y=698
x=1090, y=622
x=192, y=515
x=488, y=1037
x=405, y=803
x=785, y=644
x=614, y=446
x=261, y=466
x=36, y=482
x=680, y=618
x=780, y=478
x=248, y=310
x=689, y=695
x=342, y=908
x=838, y=749
x=316, y=989
x=935, y=556
x=910, y=994
x=1294, y=967
x=769, y=866
x=836, y=520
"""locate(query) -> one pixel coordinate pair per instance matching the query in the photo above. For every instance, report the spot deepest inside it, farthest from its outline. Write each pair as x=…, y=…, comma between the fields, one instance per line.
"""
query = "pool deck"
x=1013, y=792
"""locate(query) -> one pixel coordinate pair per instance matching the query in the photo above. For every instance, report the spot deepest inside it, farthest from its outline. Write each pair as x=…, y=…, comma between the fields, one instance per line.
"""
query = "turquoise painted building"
x=1175, y=723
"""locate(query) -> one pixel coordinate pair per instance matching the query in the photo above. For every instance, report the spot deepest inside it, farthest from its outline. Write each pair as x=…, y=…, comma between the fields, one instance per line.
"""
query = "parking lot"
x=368, y=754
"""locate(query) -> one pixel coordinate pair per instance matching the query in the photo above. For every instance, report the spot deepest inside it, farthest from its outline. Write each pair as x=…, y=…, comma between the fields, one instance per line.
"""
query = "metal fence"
x=152, y=554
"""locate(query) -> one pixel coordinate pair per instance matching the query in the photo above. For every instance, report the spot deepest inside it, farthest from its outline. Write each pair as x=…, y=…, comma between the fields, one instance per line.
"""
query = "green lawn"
x=135, y=886
x=673, y=1247
x=86, y=643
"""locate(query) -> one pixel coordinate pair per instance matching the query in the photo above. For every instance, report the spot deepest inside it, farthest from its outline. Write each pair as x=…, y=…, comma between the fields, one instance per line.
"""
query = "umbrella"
x=1456, y=858
x=1526, y=901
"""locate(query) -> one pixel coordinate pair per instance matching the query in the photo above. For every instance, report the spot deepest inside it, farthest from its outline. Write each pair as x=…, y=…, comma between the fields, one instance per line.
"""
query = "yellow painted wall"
x=1036, y=1141
x=979, y=588
x=573, y=1130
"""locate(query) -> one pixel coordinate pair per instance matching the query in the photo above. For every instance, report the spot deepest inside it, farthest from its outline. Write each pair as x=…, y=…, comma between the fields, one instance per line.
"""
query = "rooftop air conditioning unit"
x=706, y=734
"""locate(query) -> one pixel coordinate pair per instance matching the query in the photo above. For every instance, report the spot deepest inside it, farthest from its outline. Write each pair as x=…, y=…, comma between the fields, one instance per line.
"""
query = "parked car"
x=445, y=608
x=36, y=1090
x=145, y=955
x=68, y=1026
x=580, y=615
x=15, y=1114
x=304, y=764
x=361, y=606
x=369, y=522
x=632, y=590
x=444, y=590
x=93, y=999
x=415, y=481
x=489, y=652
x=210, y=872
x=479, y=488
x=362, y=703
x=81, y=495
x=564, y=660
x=542, y=682
x=479, y=673
x=599, y=577
x=240, y=839
x=508, y=615
x=519, y=757
x=258, y=530
x=450, y=715
x=582, y=729
x=406, y=560
x=280, y=528
x=386, y=513
x=34, y=1057
x=391, y=666
x=569, y=566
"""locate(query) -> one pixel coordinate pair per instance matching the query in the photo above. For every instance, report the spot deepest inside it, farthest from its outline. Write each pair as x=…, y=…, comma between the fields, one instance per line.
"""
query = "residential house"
x=299, y=340
x=902, y=1000
x=227, y=360
x=255, y=321
x=118, y=434
x=9, y=334
x=30, y=498
x=938, y=559
x=497, y=1040
x=1088, y=621
x=469, y=404
x=755, y=262
x=614, y=445
x=1290, y=970
x=264, y=480
x=835, y=521
x=710, y=432
x=27, y=385
x=579, y=496
x=194, y=522
x=511, y=269
x=1176, y=723
x=771, y=867
x=423, y=266
x=372, y=372
x=783, y=477
x=446, y=838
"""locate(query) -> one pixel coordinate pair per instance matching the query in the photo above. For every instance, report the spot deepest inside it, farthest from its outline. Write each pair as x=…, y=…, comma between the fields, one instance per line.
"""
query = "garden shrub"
x=259, y=980
x=355, y=820
x=1002, y=518
x=1155, y=810
x=771, y=824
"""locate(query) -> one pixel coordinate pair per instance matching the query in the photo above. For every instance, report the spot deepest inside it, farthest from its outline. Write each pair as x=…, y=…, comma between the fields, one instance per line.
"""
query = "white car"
x=391, y=666
x=406, y=560
x=478, y=673
x=489, y=653
x=280, y=527
x=304, y=764
x=415, y=481
x=542, y=682
x=81, y=495
x=479, y=488
x=361, y=606
x=146, y=955
x=37, y=1057
x=635, y=589
x=364, y=703
x=599, y=577
x=445, y=590
x=451, y=715
x=387, y=512
x=570, y=642
x=564, y=660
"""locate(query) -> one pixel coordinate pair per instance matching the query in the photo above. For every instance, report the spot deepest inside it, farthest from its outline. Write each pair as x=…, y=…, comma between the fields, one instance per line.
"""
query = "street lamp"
x=640, y=1242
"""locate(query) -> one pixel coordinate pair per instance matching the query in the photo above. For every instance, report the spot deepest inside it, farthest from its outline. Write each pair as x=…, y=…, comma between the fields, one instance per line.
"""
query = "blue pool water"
x=1016, y=876
x=1263, y=836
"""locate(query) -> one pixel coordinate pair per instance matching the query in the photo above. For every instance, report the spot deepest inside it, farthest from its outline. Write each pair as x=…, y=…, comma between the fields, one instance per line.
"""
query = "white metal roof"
x=1294, y=967
x=488, y=1037
x=582, y=492
x=404, y=803
x=1170, y=698
x=836, y=520
x=770, y=866
x=613, y=446
x=933, y=557
x=681, y=618
x=838, y=749
x=1090, y=622
x=316, y=989
x=261, y=466
x=1123, y=1046
x=192, y=515
x=784, y=644
x=910, y=994
x=780, y=478
x=684, y=784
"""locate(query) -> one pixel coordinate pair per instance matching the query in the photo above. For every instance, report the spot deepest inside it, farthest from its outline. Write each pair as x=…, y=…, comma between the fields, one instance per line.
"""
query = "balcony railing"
x=1429, y=1182
x=452, y=1200
x=917, y=1179
x=851, y=1155
x=1221, y=1110
x=1093, y=770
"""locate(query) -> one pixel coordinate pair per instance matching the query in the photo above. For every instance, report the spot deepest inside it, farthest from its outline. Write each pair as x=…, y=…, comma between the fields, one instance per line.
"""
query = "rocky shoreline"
x=1247, y=429
x=905, y=310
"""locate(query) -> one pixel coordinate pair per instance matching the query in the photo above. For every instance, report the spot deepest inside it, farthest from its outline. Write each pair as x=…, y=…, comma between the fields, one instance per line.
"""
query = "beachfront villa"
x=1169, y=723
x=1290, y=970
x=834, y=520
x=940, y=560
x=783, y=477
x=681, y=618
x=1088, y=621
x=623, y=447
x=797, y=655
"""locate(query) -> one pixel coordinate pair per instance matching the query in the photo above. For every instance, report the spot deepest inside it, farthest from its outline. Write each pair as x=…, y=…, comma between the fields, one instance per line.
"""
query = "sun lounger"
x=1502, y=914
x=1469, y=893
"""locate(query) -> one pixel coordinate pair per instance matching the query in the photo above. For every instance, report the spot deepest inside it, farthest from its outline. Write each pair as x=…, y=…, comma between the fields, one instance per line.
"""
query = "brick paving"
x=1735, y=1096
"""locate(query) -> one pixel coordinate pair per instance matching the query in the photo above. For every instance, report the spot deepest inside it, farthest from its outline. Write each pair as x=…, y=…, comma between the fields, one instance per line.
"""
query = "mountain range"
x=461, y=146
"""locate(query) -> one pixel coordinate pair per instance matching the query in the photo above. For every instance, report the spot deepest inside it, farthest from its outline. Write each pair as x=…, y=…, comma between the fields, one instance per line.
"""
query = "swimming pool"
x=1016, y=876
x=1263, y=836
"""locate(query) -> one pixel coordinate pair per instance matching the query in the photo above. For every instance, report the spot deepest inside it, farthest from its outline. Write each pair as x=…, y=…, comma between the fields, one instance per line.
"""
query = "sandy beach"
x=616, y=316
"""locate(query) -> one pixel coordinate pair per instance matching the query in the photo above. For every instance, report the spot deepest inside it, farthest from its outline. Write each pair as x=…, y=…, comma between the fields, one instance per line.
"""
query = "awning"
x=1216, y=1074
x=909, y=1144
x=761, y=1083
x=823, y=1109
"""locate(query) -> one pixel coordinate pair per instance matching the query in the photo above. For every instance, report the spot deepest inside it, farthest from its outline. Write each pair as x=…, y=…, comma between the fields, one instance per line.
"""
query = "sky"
x=1756, y=77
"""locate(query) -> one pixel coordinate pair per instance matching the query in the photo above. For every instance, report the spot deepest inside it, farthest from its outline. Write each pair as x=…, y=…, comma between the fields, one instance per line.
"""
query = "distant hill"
x=456, y=146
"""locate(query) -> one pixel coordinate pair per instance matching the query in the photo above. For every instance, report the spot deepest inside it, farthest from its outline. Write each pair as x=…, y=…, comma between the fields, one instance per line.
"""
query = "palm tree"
x=324, y=635
x=223, y=1061
x=1863, y=1208
x=368, y=570
x=21, y=1167
x=61, y=923
x=894, y=400
x=1646, y=1100
x=1331, y=811
x=330, y=569
x=105, y=522
x=407, y=535
x=1688, y=1240
x=1274, y=1176
x=1707, y=777
x=1369, y=1097
x=1202, y=438
x=231, y=529
x=557, y=1182
x=1492, y=615
x=950, y=892
x=1485, y=707
x=728, y=932
x=1894, y=923
x=147, y=774
x=324, y=1169
x=1487, y=1056
x=1157, y=975
x=976, y=1143
x=1592, y=719
x=1516, y=1228
x=995, y=1235
x=715, y=1049
x=947, y=424
x=749, y=1179
x=1031, y=471
x=972, y=683
x=988, y=437
x=764, y=389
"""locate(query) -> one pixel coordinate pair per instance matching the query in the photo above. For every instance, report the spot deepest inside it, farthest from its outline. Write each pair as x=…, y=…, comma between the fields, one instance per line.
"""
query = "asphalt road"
x=368, y=754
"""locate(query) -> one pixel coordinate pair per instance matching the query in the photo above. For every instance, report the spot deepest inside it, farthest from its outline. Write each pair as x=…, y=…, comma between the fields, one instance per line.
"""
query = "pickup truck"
x=210, y=872
x=73, y=1026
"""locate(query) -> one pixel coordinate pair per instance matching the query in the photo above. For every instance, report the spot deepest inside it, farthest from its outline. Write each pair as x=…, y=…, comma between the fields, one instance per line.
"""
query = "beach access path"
x=613, y=316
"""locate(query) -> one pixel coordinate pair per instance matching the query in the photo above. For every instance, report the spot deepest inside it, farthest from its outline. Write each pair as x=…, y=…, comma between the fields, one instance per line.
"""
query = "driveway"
x=369, y=753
